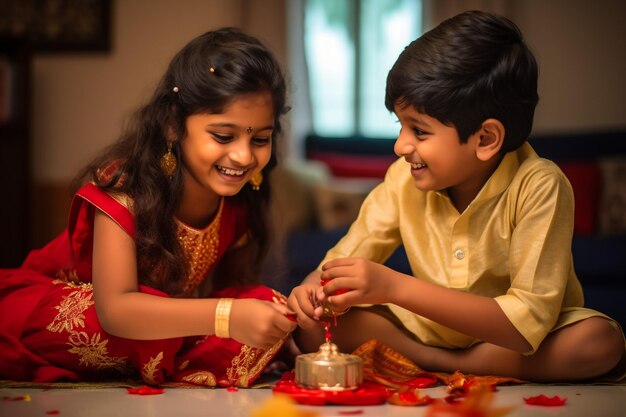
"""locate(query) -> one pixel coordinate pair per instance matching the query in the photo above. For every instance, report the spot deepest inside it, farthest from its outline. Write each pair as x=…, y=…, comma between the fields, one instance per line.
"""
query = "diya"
x=328, y=369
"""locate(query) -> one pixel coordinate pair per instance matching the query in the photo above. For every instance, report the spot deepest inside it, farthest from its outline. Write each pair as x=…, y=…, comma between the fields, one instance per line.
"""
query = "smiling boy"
x=486, y=223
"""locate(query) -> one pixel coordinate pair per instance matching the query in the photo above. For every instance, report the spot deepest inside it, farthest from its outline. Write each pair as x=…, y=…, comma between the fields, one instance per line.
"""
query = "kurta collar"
x=501, y=177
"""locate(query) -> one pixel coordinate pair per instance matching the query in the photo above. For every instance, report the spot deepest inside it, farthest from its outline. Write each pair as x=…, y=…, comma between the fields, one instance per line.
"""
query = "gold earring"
x=256, y=181
x=168, y=161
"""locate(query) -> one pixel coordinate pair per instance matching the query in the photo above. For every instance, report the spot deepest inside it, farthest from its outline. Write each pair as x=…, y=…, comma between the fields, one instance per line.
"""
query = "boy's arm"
x=540, y=257
x=371, y=283
x=475, y=315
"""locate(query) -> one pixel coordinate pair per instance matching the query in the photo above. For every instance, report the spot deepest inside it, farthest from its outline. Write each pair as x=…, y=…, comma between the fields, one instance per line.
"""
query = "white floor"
x=582, y=401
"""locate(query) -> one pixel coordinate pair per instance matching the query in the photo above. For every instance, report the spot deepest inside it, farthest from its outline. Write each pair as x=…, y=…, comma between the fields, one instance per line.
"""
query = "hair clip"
x=175, y=89
x=212, y=69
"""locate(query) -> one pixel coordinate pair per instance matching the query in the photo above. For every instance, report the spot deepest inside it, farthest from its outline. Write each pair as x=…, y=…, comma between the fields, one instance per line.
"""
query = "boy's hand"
x=366, y=282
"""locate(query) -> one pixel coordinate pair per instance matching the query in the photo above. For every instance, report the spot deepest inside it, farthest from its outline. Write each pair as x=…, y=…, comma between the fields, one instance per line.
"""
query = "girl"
x=158, y=270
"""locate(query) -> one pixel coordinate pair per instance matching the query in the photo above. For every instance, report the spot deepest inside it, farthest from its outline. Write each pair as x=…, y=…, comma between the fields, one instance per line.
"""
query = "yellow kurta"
x=512, y=243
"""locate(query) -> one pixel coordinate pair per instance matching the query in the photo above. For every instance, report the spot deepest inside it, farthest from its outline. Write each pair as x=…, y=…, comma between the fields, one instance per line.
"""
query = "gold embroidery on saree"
x=245, y=366
x=148, y=372
x=241, y=364
x=94, y=353
x=91, y=351
x=70, y=310
x=200, y=247
x=201, y=378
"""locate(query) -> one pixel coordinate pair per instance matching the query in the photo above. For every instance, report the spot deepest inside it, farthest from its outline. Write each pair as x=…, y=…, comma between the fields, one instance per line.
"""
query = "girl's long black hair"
x=210, y=72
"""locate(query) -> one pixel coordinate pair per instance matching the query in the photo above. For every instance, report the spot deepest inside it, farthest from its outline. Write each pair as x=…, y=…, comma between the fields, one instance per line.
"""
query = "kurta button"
x=459, y=254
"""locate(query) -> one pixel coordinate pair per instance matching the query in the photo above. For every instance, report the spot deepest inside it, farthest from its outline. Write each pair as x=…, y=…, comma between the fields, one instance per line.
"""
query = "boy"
x=486, y=224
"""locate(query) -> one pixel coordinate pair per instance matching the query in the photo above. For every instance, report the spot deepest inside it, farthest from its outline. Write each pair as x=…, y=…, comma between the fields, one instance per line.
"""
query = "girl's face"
x=438, y=160
x=221, y=152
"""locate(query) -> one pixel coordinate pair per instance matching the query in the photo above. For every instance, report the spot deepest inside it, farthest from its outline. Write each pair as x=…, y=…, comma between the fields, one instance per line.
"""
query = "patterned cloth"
x=49, y=330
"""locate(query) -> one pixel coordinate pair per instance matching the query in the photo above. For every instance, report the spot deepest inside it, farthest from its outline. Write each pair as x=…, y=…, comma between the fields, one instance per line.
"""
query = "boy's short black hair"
x=471, y=67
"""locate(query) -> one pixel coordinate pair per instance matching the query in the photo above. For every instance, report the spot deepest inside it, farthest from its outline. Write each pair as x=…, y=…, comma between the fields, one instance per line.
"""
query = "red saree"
x=49, y=329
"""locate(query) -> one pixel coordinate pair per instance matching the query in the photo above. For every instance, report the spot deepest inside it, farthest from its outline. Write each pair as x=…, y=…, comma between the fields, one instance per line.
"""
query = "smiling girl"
x=157, y=274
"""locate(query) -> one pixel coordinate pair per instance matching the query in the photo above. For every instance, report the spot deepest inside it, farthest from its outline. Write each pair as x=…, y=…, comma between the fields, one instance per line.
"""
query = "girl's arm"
x=125, y=312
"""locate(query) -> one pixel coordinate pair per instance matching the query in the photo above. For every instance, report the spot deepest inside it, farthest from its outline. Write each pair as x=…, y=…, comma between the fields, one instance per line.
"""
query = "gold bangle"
x=222, y=317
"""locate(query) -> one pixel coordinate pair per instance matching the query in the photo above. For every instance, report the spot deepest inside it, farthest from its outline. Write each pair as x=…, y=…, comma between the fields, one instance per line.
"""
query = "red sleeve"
x=71, y=251
x=81, y=220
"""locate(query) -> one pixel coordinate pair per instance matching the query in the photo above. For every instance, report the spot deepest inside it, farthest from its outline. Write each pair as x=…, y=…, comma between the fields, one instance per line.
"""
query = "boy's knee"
x=600, y=346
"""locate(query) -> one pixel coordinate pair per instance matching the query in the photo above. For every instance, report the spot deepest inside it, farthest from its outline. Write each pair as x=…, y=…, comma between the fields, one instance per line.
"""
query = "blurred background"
x=66, y=94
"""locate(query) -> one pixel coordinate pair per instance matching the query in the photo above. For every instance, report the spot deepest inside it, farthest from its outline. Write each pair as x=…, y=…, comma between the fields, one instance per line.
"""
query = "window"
x=349, y=47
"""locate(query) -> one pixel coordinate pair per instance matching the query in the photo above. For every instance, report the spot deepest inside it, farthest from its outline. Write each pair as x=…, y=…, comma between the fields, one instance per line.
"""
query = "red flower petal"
x=409, y=398
x=145, y=390
x=546, y=401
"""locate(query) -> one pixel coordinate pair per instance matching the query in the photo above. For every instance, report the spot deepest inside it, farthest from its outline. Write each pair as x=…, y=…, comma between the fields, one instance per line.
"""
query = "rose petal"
x=145, y=390
x=409, y=398
x=545, y=401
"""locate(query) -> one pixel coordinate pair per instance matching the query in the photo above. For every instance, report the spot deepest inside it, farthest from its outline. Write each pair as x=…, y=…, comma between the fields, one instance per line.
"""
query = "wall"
x=81, y=100
x=581, y=49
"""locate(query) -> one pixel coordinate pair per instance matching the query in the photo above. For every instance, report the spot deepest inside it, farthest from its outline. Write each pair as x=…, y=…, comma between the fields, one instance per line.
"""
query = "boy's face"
x=438, y=160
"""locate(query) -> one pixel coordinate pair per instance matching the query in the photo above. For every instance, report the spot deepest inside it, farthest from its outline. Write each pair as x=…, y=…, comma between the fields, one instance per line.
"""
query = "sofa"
x=595, y=164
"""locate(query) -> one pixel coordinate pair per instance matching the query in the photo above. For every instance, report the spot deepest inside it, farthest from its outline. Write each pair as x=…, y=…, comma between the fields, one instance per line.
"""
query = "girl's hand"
x=303, y=302
x=259, y=323
x=358, y=281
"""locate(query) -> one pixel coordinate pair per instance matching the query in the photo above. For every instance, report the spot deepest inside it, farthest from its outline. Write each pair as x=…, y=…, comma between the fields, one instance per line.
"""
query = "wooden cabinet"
x=15, y=170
